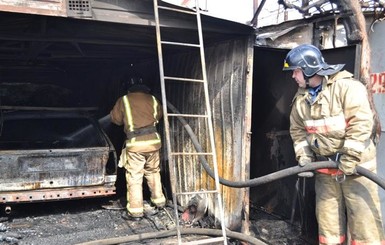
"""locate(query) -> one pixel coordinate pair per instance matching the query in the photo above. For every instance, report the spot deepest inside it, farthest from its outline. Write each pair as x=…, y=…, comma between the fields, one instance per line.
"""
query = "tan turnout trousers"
x=360, y=197
x=138, y=165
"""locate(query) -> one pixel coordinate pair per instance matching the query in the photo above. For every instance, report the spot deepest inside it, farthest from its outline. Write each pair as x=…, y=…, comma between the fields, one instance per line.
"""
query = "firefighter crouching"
x=331, y=119
x=139, y=112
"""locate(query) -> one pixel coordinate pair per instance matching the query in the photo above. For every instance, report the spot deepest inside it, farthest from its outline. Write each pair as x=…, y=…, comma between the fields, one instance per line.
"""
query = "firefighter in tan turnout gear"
x=331, y=119
x=139, y=112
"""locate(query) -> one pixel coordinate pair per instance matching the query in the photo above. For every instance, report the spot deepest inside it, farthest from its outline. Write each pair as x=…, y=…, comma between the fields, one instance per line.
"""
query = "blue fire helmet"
x=309, y=59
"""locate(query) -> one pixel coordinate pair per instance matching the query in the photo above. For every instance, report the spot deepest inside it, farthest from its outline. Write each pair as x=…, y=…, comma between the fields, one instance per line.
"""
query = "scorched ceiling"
x=40, y=47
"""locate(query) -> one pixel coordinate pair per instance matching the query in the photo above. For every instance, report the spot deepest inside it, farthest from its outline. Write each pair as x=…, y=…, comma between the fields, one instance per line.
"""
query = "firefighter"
x=331, y=119
x=139, y=112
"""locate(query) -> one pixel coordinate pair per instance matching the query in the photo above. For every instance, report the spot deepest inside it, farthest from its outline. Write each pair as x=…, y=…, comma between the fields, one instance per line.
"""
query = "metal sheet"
x=59, y=194
x=34, y=169
x=227, y=65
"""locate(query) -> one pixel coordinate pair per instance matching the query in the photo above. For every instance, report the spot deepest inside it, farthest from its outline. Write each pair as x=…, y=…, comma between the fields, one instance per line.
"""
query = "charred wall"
x=227, y=65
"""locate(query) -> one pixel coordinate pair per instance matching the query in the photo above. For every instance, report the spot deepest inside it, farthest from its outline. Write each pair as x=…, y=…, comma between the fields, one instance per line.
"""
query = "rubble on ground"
x=74, y=222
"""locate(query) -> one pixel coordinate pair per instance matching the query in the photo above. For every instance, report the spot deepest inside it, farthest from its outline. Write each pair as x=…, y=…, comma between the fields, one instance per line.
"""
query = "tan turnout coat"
x=335, y=122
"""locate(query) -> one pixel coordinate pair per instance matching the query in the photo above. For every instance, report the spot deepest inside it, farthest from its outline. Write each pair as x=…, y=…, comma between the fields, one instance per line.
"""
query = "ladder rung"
x=206, y=241
x=185, y=79
x=197, y=192
x=177, y=10
x=191, y=153
x=186, y=115
x=181, y=44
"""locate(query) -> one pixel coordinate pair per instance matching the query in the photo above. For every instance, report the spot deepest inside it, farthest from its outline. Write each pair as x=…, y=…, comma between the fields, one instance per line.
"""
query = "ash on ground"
x=277, y=230
x=79, y=221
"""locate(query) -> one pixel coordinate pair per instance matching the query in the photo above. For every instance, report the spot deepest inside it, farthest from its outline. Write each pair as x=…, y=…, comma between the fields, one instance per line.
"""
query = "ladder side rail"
x=165, y=113
x=208, y=114
x=210, y=123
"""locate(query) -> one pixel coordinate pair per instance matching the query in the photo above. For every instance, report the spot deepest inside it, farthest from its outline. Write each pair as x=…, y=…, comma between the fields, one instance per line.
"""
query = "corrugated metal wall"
x=227, y=65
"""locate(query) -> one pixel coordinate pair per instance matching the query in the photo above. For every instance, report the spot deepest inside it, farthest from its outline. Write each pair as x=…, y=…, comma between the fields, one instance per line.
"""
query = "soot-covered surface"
x=79, y=221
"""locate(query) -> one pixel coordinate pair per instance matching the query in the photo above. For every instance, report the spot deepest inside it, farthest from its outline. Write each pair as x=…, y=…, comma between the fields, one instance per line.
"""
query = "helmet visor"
x=330, y=69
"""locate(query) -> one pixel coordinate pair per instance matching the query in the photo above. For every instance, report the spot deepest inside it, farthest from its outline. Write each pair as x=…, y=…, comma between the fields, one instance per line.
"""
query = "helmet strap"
x=307, y=80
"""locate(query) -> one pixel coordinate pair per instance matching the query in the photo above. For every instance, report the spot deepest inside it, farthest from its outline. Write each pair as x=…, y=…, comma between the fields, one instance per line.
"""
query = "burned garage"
x=64, y=66
x=224, y=132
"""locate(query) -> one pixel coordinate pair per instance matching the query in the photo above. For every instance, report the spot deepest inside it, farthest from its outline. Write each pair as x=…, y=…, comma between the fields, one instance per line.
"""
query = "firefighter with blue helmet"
x=331, y=119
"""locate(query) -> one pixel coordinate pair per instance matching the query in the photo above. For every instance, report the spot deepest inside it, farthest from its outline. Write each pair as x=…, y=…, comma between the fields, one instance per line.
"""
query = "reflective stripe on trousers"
x=138, y=165
x=360, y=197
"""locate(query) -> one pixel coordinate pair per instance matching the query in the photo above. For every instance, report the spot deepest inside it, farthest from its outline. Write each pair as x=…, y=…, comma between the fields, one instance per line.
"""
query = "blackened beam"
x=72, y=40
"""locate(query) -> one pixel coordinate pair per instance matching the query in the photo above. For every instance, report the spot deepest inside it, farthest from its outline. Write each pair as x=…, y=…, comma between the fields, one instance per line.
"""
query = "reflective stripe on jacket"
x=138, y=110
x=339, y=120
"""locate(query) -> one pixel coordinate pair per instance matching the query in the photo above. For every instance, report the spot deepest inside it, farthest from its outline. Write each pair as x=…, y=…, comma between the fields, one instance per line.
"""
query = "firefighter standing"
x=139, y=112
x=331, y=119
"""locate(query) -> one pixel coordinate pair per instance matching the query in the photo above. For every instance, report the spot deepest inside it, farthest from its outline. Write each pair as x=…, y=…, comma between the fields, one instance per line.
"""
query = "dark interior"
x=50, y=133
x=90, y=60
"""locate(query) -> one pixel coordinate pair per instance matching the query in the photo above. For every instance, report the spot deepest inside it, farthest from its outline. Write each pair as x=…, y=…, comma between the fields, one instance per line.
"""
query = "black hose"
x=372, y=176
x=236, y=184
x=184, y=231
x=273, y=176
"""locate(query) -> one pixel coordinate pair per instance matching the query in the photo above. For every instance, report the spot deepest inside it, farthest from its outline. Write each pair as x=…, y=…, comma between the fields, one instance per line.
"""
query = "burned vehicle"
x=48, y=152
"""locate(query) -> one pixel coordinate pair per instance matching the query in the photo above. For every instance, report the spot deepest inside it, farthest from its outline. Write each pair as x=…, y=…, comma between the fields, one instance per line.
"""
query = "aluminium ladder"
x=207, y=116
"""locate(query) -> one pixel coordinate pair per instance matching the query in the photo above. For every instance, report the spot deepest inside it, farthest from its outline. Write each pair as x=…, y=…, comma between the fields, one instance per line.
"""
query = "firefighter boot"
x=149, y=210
x=132, y=217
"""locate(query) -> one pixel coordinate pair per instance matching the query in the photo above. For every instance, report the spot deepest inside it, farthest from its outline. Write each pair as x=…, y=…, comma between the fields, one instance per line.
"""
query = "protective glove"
x=347, y=164
x=303, y=160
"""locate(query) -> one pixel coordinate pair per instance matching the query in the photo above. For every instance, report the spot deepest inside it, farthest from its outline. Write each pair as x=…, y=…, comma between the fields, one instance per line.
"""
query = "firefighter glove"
x=303, y=160
x=347, y=164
